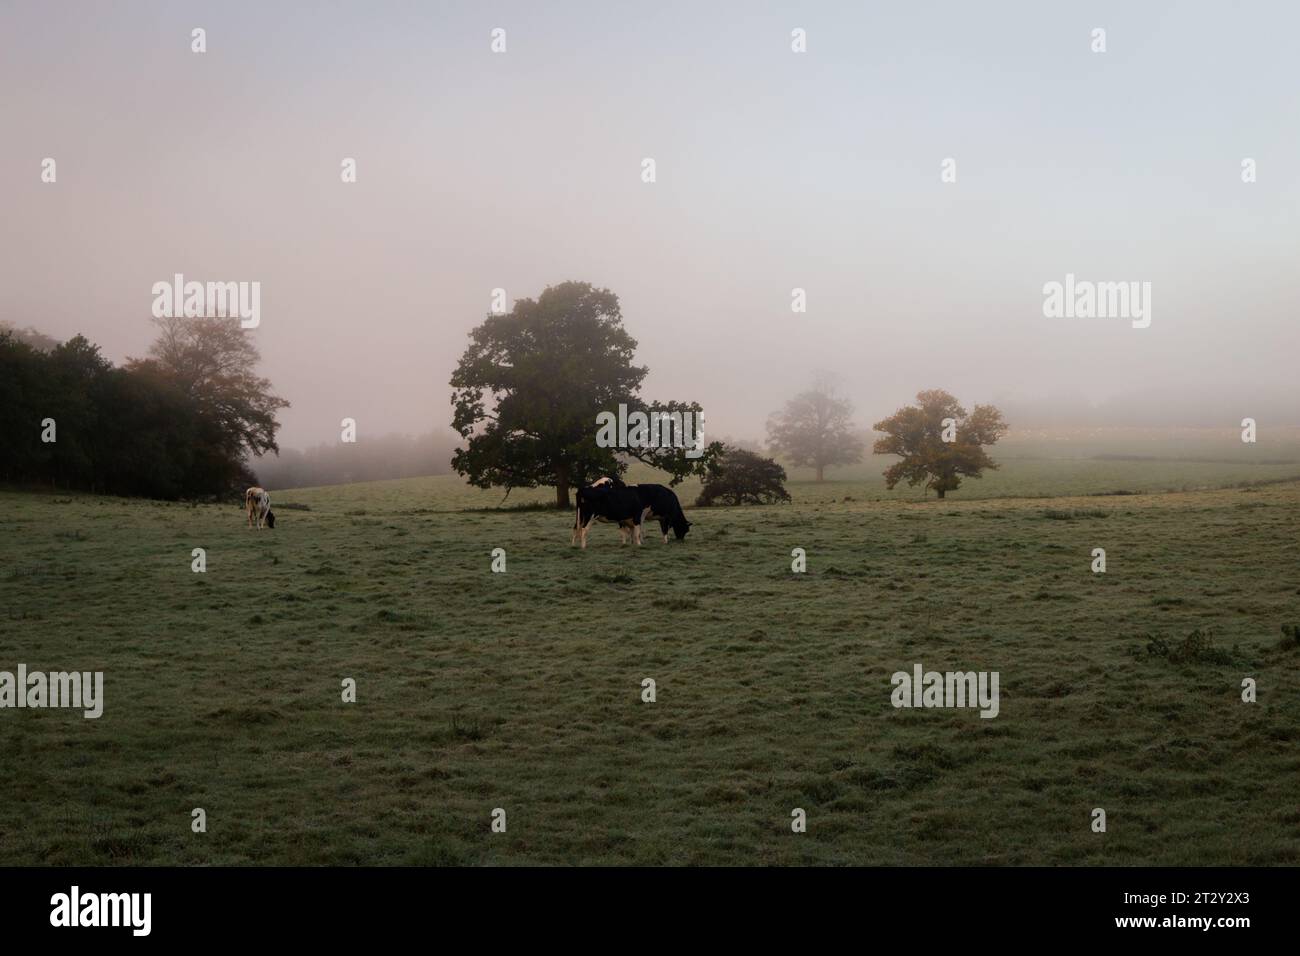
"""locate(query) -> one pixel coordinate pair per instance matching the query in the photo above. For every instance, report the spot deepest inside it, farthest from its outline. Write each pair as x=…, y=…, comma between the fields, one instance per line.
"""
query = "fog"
x=775, y=170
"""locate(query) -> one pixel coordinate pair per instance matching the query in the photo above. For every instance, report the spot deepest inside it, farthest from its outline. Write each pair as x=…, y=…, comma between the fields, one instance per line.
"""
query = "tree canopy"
x=214, y=362
x=529, y=388
x=815, y=428
x=158, y=427
x=938, y=442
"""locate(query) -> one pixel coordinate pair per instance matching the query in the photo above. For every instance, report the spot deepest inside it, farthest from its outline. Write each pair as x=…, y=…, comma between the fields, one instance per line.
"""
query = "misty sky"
x=775, y=170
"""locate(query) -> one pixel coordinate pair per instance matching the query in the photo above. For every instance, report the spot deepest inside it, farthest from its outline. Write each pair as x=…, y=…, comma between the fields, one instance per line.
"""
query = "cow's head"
x=680, y=527
x=270, y=519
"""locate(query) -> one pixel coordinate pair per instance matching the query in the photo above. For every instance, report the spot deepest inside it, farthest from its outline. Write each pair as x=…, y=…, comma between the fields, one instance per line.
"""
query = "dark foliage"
x=744, y=478
x=140, y=430
x=531, y=384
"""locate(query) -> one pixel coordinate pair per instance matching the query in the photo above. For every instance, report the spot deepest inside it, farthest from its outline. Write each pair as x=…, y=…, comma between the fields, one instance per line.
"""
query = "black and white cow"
x=608, y=499
x=660, y=502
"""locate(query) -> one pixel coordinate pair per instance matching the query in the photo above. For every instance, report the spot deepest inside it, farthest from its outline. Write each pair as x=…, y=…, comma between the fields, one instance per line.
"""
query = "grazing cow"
x=258, y=505
x=660, y=502
x=608, y=500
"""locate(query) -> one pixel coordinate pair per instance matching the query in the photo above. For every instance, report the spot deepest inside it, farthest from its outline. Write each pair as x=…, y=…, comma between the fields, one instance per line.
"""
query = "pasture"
x=522, y=690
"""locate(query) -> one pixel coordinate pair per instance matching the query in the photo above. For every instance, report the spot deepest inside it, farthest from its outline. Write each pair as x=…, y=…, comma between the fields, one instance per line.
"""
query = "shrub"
x=744, y=478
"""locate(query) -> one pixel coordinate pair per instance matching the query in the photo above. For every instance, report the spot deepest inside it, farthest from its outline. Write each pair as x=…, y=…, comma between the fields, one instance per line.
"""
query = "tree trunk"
x=562, y=489
x=940, y=492
x=820, y=470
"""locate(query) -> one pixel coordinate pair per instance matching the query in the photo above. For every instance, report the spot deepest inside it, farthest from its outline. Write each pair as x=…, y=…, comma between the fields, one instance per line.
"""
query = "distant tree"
x=27, y=395
x=214, y=362
x=531, y=383
x=150, y=431
x=117, y=431
x=916, y=434
x=77, y=374
x=815, y=429
x=30, y=336
x=744, y=478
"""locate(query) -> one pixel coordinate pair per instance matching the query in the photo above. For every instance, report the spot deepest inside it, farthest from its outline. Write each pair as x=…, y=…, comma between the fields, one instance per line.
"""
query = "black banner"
x=215, y=905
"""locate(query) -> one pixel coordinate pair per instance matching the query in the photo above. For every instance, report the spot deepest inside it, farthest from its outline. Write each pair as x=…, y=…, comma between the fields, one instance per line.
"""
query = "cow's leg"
x=663, y=527
x=577, y=524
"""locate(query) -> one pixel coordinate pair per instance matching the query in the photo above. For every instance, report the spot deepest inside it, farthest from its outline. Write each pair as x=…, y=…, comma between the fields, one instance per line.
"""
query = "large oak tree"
x=530, y=385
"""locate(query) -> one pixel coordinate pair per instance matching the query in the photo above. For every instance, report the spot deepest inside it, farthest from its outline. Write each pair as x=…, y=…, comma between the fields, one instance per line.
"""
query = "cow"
x=660, y=502
x=608, y=500
x=257, y=503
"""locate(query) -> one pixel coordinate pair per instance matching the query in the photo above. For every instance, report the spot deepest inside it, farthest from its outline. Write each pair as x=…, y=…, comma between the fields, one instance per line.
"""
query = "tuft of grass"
x=520, y=507
x=1198, y=647
x=618, y=577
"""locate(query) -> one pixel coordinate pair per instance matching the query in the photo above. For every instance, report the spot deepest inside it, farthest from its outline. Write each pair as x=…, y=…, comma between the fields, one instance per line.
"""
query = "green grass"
x=522, y=690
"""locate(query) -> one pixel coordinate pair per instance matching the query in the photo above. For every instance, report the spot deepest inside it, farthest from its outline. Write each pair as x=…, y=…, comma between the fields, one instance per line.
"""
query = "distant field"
x=1084, y=462
x=522, y=690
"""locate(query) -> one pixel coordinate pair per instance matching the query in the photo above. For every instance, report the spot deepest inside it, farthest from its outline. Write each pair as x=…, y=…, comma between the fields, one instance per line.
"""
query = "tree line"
x=186, y=420
x=179, y=423
x=534, y=380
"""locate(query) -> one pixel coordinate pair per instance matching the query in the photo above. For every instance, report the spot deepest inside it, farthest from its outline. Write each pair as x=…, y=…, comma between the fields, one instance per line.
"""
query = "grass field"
x=522, y=690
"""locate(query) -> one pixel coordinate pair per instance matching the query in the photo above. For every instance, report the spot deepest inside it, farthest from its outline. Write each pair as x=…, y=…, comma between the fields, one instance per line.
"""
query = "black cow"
x=660, y=502
x=608, y=500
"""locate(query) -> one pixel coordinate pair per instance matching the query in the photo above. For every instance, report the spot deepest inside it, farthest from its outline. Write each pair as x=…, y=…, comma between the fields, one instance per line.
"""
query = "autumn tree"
x=937, y=442
x=529, y=388
x=815, y=429
x=213, y=362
